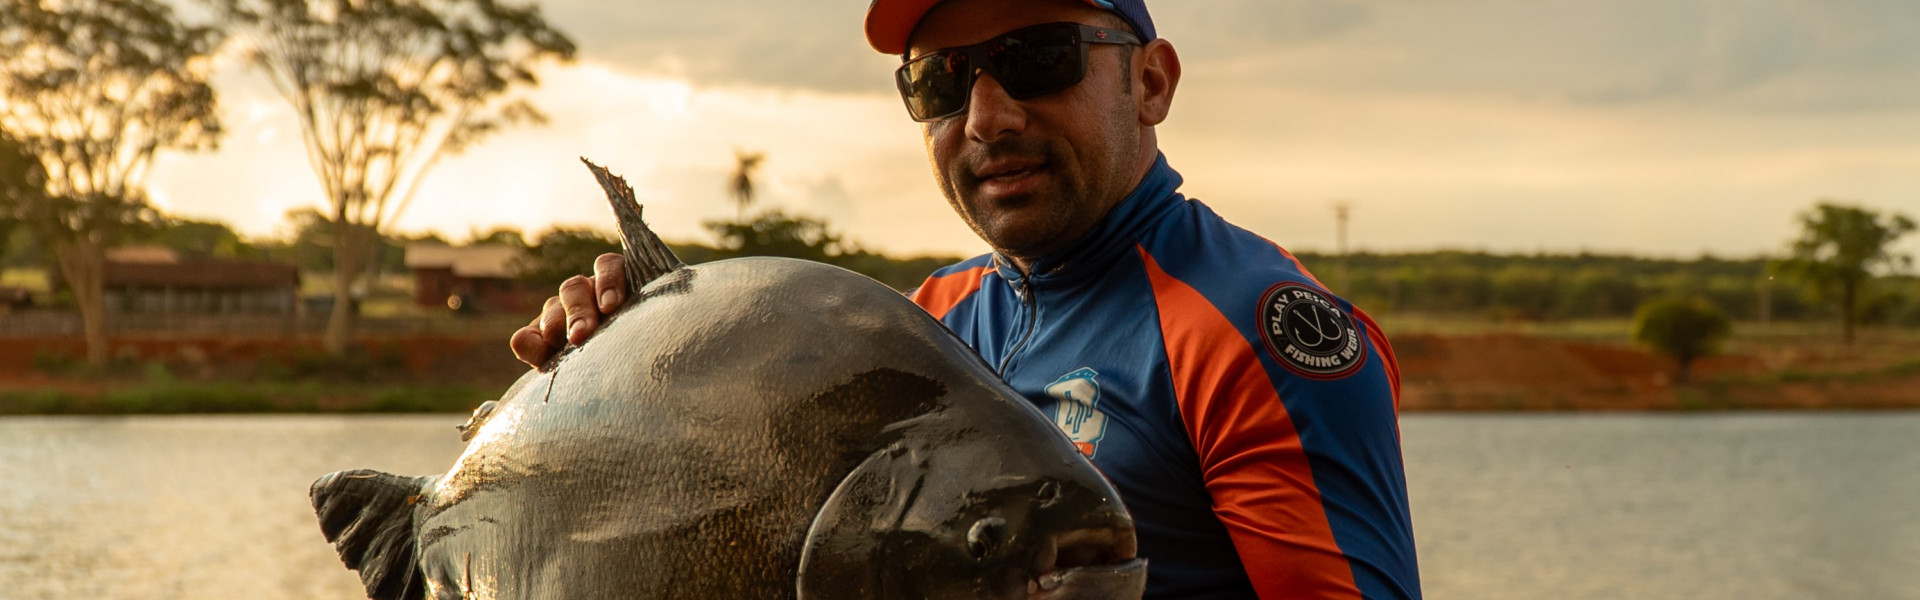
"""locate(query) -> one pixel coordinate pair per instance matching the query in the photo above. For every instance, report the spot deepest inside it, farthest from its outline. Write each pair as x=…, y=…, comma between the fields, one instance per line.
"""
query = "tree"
x=500, y=236
x=774, y=233
x=23, y=183
x=1682, y=328
x=202, y=239
x=559, y=253
x=94, y=89
x=745, y=165
x=383, y=90
x=1839, y=249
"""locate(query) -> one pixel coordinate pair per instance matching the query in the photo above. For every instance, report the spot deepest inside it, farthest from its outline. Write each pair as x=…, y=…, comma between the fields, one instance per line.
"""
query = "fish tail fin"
x=368, y=516
x=647, y=257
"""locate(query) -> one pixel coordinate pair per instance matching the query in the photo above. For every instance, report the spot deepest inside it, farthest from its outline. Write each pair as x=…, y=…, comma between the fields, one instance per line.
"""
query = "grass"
x=35, y=280
x=1584, y=329
x=1899, y=370
x=1621, y=330
x=1910, y=367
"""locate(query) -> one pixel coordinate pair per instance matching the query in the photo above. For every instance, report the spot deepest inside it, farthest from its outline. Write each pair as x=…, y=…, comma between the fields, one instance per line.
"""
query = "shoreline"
x=1848, y=392
x=1440, y=372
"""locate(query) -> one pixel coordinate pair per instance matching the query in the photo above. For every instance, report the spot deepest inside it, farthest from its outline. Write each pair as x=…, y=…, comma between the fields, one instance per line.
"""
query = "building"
x=15, y=298
x=156, y=280
x=482, y=278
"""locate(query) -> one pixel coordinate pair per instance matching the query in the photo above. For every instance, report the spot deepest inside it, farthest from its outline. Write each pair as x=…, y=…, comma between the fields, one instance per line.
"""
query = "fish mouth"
x=1096, y=564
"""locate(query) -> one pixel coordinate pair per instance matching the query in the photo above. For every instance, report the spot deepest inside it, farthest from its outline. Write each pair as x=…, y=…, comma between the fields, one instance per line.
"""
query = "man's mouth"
x=1009, y=169
x=1008, y=178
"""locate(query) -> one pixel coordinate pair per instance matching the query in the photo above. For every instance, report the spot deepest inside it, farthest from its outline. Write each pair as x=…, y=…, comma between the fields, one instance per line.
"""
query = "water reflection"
x=140, y=508
x=1779, y=506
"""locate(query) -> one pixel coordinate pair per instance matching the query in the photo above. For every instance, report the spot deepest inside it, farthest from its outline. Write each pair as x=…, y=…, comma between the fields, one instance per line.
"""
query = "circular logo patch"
x=1308, y=333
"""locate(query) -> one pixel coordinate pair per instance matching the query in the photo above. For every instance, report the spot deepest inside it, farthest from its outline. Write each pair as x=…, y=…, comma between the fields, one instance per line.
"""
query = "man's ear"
x=1159, y=75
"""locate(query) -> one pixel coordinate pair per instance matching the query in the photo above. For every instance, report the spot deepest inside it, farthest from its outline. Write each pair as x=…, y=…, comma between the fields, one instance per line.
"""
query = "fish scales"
x=749, y=428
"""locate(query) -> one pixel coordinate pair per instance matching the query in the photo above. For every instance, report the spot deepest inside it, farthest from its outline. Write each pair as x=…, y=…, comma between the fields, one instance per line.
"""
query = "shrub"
x=1681, y=328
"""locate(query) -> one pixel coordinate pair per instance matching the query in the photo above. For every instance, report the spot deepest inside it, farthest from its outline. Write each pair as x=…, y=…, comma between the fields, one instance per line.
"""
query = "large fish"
x=751, y=428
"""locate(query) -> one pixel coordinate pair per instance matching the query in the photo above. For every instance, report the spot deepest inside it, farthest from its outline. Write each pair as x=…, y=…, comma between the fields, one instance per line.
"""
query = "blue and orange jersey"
x=1246, y=414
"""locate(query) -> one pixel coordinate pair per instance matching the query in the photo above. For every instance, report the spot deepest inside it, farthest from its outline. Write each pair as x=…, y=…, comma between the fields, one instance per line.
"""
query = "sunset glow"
x=1645, y=127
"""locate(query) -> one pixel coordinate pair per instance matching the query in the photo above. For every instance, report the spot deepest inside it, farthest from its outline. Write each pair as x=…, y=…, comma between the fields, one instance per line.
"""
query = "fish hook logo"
x=1310, y=334
x=1077, y=409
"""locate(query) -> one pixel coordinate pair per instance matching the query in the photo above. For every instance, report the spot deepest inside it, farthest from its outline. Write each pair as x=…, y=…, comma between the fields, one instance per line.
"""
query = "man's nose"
x=991, y=113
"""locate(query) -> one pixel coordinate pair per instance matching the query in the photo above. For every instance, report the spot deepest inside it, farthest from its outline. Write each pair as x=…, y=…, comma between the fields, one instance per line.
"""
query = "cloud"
x=1226, y=29
x=1665, y=126
x=1760, y=55
x=1780, y=55
x=1747, y=55
x=801, y=45
x=853, y=159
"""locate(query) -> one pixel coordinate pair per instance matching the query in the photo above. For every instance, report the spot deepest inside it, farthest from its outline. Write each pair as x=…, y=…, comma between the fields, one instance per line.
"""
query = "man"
x=1246, y=415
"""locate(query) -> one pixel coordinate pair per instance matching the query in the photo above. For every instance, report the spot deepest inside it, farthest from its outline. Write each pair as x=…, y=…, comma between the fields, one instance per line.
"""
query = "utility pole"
x=1766, y=296
x=1341, y=210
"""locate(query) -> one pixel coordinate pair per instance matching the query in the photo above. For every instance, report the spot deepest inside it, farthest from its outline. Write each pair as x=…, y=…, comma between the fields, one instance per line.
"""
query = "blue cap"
x=891, y=22
x=1135, y=14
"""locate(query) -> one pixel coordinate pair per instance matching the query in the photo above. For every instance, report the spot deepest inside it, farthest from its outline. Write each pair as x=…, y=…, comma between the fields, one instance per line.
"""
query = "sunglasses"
x=1028, y=62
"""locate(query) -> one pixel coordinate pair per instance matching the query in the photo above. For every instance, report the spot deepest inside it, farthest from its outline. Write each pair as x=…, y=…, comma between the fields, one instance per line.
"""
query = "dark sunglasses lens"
x=935, y=85
x=1037, y=62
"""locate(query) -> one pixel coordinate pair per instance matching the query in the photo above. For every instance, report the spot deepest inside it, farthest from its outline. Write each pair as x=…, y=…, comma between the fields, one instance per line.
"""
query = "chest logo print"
x=1309, y=333
x=1076, y=410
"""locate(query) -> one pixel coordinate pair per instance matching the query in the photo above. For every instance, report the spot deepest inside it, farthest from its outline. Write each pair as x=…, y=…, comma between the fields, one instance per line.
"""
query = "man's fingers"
x=573, y=315
x=529, y=346
x=576, y=294
x=553, y=325
x=610, y=281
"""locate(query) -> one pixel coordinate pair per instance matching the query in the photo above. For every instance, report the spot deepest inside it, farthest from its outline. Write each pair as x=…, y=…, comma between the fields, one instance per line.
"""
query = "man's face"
x=1033, y=176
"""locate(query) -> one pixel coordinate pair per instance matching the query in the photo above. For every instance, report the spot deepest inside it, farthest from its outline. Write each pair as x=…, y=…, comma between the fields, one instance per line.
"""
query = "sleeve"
x=1300, y=452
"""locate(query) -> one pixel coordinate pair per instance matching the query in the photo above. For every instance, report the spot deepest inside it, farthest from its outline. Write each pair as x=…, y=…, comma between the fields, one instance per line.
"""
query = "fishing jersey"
x=1247, y=416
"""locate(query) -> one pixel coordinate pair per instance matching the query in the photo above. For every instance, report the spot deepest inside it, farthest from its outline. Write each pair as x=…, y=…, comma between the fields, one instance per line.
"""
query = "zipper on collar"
x=1032, y=307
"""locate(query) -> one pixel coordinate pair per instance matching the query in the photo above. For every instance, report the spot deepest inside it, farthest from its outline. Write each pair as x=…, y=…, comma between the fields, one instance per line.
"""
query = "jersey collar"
x=1114, y=236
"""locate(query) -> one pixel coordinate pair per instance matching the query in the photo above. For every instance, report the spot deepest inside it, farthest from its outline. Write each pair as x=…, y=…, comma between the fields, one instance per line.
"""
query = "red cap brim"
x=891, y=22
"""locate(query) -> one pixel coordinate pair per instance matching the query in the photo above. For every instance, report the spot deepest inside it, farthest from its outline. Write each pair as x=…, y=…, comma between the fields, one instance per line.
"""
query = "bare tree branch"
x=92, y=90
x=385, y=88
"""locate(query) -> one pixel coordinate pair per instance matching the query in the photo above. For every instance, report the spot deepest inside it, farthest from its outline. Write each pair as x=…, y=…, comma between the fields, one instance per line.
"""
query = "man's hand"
x=573, y=316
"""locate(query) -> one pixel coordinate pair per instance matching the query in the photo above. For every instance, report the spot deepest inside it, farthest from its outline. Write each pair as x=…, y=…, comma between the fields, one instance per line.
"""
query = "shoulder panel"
x=950, y=285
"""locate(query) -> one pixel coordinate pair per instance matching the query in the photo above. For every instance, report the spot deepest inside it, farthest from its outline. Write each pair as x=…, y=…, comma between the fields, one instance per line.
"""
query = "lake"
x=1734, y=506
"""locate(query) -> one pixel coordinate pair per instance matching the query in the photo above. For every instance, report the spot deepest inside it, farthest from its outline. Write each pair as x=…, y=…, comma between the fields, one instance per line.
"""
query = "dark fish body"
x=752, y=428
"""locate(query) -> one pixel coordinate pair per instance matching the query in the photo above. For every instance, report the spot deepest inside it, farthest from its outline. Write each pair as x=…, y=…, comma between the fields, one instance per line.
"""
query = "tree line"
x=1483, y=285
x=92, y=90
x=548, y=257
x=1546, y=286
x=1842, y=265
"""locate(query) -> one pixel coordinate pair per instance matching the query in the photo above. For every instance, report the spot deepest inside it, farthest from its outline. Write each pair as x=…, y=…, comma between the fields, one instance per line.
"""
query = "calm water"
x=1575, y=507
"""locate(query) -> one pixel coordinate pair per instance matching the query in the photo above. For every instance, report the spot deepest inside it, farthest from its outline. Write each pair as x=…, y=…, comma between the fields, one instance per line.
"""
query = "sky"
x=1656, y=127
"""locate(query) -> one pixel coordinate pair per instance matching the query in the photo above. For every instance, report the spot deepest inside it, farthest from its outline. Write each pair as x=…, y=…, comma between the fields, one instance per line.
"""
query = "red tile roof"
x=202, y=273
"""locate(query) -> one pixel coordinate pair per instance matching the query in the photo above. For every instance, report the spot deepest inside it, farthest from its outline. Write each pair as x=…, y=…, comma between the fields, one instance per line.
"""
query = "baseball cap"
x=891, y=22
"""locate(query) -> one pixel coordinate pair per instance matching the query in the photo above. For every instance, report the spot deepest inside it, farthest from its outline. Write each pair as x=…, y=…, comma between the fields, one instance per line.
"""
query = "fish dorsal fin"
x=647, y=257
x=368, y=515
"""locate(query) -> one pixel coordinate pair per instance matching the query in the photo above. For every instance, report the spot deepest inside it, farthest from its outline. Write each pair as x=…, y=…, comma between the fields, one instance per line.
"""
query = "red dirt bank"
x=1489, y=372
x=1509, y=372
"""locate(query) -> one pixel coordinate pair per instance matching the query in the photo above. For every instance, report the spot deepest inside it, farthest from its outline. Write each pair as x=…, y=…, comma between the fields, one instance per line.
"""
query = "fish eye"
x=986, y=537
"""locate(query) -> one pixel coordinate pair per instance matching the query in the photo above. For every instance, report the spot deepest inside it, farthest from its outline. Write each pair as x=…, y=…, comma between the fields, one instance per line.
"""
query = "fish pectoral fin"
x=368, y=516
x=845, y=548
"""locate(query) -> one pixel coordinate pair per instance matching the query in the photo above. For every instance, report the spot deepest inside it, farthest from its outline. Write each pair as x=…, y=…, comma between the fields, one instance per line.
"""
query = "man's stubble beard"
x=1105, y=181
x=1080, y=194
x=1055, y=200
